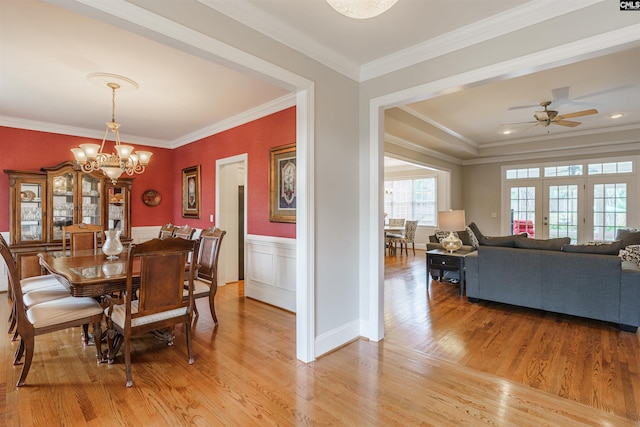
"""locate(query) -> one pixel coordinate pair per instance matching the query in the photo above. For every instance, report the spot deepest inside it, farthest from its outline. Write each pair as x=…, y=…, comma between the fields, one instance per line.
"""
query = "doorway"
x=231, y=175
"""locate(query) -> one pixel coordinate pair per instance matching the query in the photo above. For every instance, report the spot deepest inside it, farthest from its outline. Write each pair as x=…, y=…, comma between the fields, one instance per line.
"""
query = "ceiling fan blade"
x=518, y=123
x=566, y=123
x=531, y=127
x=578, y=114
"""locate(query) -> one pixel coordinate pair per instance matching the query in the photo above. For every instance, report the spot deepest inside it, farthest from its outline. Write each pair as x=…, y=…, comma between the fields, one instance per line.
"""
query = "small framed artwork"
x=282, y=184
x=191, y=192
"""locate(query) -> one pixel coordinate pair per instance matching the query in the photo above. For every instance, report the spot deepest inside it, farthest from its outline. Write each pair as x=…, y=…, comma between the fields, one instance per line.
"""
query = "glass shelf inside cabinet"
x=91, y=208
x=31, y=212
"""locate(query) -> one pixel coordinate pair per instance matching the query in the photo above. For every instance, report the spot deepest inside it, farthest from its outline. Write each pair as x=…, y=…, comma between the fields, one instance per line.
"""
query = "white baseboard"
x=338, y=337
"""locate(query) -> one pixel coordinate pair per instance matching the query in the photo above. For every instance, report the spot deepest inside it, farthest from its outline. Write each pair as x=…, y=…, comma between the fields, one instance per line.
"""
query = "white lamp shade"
x=144, y=157
x=451, y=220
x=124, y=151
x=78, y=153
x=90, y=150
x=112, y=172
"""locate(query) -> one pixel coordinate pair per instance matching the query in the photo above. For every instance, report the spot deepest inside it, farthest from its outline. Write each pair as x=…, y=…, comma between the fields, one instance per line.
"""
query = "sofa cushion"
x=543, y=244
x=503, y=241
x=602, y=248
x=629, y=236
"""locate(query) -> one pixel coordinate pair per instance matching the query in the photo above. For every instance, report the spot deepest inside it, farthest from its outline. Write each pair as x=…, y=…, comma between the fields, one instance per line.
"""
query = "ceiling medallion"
x=361, y=9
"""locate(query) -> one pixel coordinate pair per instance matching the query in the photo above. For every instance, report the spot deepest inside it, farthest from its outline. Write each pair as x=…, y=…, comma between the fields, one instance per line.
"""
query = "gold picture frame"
x=191, y=192
x=282, y=184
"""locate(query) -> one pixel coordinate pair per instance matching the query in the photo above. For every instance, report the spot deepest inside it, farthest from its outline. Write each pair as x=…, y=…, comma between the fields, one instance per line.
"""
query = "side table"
x=443, y=260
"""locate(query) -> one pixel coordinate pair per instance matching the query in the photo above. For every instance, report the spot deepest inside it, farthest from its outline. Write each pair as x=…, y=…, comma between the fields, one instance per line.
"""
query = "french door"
x=563, y=209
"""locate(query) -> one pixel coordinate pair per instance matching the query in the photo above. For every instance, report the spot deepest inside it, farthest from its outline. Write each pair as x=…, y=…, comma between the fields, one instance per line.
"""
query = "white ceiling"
x=47, y=52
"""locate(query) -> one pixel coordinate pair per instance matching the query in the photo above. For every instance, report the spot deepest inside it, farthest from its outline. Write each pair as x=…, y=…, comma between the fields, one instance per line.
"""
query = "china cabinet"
x=42, y=202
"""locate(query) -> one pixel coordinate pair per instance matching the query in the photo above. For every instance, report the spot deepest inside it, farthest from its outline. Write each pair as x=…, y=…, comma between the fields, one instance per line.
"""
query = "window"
x=412, y=199
x=609, y=210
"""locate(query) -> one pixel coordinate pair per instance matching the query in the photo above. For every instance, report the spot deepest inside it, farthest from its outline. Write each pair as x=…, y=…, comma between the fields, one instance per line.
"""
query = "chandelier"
x=92, y=157
x=361, y=9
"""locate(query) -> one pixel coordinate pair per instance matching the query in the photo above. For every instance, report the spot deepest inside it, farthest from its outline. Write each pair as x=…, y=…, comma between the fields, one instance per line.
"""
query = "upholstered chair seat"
x=62, y=310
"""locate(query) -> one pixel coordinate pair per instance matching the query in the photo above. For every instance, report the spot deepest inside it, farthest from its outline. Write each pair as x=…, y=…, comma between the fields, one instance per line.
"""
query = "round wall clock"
x=151, y=198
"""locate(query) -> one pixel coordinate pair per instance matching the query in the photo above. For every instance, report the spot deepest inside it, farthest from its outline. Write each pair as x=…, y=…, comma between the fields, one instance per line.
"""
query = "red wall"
x=30, y=150
x=255, y=139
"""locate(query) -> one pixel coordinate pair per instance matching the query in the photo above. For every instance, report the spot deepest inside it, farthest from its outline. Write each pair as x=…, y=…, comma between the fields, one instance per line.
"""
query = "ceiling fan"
x=549, y=117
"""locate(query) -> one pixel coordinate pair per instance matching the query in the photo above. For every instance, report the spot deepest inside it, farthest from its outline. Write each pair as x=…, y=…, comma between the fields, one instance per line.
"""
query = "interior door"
x=563, y=210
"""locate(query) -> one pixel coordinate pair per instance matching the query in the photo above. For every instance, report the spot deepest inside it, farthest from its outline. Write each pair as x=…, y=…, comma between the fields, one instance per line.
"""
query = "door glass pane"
x=31, y=212
x=91, y=208
x=523, y=211
x=563, y=211
x=609, y=210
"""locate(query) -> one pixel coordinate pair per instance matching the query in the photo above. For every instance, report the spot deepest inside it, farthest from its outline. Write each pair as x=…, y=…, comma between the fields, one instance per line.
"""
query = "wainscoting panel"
x=271, y=271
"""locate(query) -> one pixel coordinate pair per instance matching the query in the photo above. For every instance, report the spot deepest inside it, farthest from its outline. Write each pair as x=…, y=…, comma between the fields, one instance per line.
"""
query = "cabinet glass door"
x=91, y=208
x=63, y=203
x=117, y=208
x=31, y=211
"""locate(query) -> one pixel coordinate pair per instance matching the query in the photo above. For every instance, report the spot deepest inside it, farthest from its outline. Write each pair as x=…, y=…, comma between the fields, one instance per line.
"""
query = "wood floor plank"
x=443, y=362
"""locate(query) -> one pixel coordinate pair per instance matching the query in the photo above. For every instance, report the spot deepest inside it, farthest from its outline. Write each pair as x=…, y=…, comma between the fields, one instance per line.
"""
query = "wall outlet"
x=211, y=218
x=494, y=215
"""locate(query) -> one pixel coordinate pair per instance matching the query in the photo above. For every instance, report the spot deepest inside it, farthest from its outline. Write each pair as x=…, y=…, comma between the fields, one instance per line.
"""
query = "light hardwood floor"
x=443, y=362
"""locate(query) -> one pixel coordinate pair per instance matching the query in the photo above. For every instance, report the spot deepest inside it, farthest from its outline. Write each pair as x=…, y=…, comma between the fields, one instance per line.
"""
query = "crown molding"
x=401, y=142
x=430, y=121
x=601, y=148
x=237, y=120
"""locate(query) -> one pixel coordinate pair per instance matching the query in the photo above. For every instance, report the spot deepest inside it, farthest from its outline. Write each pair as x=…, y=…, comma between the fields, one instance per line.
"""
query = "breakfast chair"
x=408, y=237
x=81, y=236
x=159, y=304
x=48, y=316
x=206, y=283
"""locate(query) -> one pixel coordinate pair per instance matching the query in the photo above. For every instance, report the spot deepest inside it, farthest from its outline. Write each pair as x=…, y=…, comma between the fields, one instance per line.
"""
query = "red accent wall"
x=255, y=139
x=30, y=150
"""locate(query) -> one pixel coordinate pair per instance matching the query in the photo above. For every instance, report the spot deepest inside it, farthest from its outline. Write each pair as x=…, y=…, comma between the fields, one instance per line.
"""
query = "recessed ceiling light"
x=616, y=116
x=506, y=131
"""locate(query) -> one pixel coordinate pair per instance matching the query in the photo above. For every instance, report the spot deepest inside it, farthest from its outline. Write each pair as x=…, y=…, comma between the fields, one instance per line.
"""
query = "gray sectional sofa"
x=576, y=283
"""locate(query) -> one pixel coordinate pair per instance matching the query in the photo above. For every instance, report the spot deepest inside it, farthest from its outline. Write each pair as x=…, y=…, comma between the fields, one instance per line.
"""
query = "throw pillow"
x=472, y=238
x=476, y=231
x=631, y=253
x=441, y=234
x=602, y=248
x=629, y=236
x=543, y=244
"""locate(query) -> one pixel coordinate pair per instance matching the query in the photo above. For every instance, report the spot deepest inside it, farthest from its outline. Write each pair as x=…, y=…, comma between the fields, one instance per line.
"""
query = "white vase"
x=112, y=246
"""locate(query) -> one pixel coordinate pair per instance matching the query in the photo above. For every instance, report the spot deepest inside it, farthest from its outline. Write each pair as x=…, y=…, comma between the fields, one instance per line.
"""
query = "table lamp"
x=450, y=221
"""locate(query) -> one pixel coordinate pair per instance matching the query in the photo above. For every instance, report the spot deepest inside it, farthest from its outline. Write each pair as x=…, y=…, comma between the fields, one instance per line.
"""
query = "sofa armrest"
x=630, y=294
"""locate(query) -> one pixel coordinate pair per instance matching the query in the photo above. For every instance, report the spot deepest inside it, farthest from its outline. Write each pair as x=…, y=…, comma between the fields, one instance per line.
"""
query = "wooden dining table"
x=88, y=273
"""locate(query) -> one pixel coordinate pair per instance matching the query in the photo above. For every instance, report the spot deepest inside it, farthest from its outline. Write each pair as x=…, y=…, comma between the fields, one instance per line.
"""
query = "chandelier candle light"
x=92, y=157
x=451, y=221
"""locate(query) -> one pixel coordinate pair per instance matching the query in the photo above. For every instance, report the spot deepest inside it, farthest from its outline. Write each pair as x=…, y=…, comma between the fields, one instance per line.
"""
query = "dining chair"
x=396, y=222
x=48, y=316
x=159, y=303
x=81, y=236
x=41, y=289
x=406, y=238
x=184, y=232
x=166, y=231
x=206, y=282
